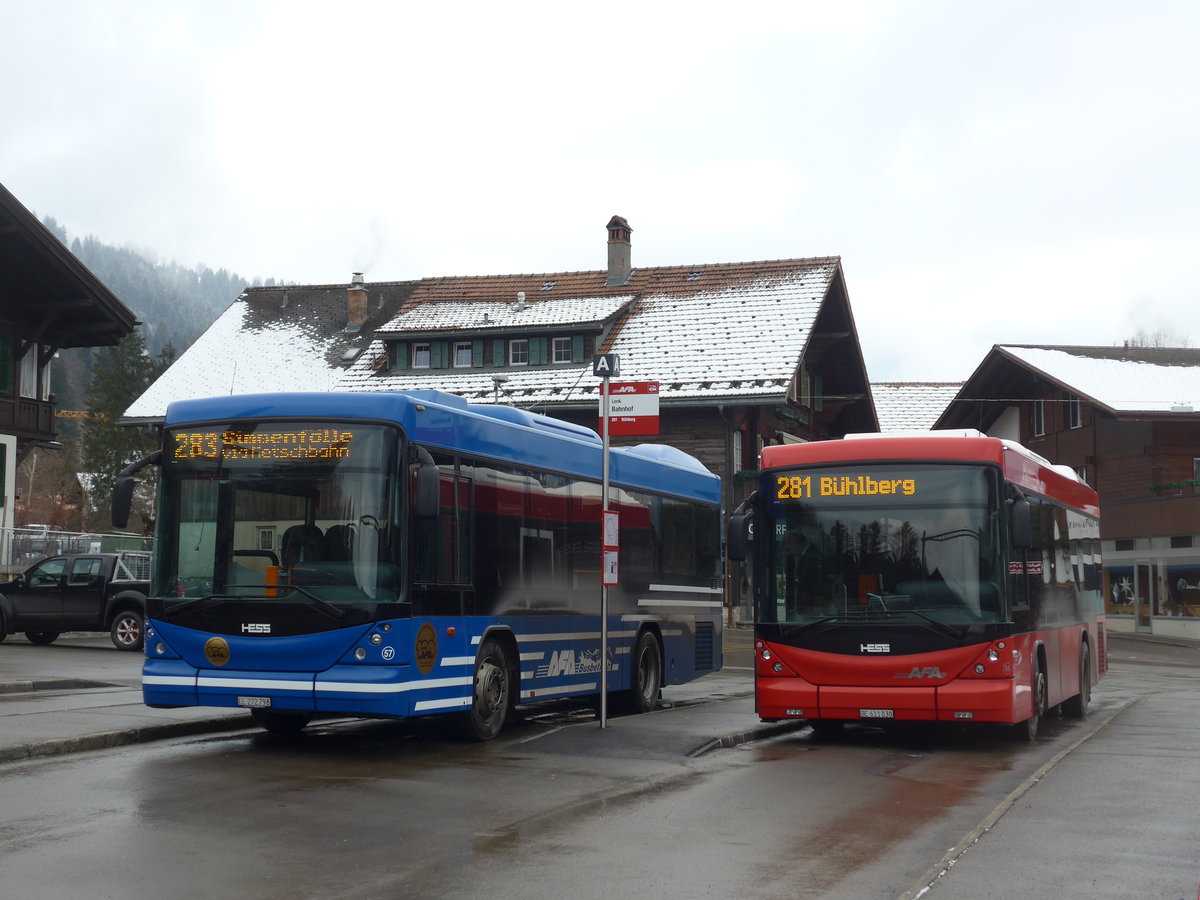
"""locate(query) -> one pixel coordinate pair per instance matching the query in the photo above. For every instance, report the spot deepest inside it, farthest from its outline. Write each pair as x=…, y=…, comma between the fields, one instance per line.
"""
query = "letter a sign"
x=606, y=365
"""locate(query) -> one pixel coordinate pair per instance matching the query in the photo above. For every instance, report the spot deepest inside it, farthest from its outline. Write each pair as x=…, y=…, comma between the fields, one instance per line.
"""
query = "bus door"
x=1143, y=593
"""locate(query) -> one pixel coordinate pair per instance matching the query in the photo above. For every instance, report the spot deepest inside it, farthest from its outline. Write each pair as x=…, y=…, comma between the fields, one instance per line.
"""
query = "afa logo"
x=568, y=662
x=918, y=672
x=425, y=648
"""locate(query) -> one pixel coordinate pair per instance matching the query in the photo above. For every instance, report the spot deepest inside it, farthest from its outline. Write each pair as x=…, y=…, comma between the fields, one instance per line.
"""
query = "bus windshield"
x=915, y=541
x=279, y=510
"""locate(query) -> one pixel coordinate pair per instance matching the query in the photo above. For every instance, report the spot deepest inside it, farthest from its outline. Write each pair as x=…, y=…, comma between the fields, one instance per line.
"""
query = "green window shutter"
x=537, y=351
x=399, y=358
x=476, y=353
x=577, y=348
x=499, y=357
x=3, y=473
x=439, y=353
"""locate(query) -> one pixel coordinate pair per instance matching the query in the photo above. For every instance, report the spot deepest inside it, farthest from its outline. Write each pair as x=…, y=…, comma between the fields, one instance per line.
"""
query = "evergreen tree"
x=119, y=376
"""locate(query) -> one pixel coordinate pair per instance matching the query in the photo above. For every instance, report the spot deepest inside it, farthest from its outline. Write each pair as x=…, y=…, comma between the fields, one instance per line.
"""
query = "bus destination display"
x=806, y=487
x=230, y=445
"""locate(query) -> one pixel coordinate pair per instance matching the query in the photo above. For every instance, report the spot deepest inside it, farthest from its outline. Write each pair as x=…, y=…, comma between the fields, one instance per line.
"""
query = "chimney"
x=356, y=300
x=619, y=266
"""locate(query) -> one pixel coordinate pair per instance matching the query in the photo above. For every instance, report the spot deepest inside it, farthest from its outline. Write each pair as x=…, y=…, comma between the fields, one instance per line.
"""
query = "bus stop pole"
x=604, y=410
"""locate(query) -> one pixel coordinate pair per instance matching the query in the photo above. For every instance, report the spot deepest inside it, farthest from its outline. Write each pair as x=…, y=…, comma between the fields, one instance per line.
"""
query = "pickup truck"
x=79, y=592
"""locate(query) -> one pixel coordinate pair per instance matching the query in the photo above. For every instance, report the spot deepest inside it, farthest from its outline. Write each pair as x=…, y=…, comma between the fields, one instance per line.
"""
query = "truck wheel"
x=126, y=630
x=42, y=637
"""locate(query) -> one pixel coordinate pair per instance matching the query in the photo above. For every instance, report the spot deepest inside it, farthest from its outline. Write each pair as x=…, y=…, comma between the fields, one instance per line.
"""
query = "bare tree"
x=1160, y=337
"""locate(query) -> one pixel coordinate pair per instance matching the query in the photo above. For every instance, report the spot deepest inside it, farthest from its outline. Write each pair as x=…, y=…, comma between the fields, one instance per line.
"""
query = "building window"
x=1074, y=412
x=518, y=352
x=1195, y=471
x=266, y=538
x=462, y=354
x=1181, y=541
x=561, y=350
x=1081, y=471
x=29, y=373
x=420, y=356
x=1124, y=544
x=1039, y=418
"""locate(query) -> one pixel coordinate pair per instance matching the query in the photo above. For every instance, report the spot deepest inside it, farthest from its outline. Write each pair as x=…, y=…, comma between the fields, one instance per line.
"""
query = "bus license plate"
x=876, y=714
x=254, y=702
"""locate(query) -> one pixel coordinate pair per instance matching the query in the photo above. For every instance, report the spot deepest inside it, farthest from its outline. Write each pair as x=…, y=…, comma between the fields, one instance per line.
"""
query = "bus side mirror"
x=122, y=496
x=425, y=503
x=739, y=530
x=1021, y=524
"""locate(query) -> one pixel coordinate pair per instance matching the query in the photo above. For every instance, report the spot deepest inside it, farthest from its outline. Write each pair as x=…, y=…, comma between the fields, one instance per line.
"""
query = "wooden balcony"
x=29, y=420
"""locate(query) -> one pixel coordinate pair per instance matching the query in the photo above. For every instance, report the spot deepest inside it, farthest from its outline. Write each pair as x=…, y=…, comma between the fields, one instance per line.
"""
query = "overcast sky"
x=1017, y=172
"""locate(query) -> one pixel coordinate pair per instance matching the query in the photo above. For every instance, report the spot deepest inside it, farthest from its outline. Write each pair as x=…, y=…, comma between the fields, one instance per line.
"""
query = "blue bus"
x=409, y=554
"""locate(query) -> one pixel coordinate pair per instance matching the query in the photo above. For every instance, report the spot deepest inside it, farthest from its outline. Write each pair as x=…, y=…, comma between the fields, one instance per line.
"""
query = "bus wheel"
x=645, y=677
x=280, y=722
x=492, y=695
x=1076, y=707
x=1029, y=728
x=42, y=637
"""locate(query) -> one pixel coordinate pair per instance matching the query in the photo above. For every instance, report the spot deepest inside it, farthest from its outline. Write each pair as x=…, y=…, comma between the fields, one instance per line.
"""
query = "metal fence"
x=20, y=548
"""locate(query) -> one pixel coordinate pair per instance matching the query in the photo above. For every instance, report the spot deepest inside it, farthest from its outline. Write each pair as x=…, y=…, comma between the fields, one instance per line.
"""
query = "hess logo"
x=875, y=648
x=256, y=628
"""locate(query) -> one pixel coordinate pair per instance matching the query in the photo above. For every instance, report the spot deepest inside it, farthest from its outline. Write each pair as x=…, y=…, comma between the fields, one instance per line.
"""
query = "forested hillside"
x=175, y=304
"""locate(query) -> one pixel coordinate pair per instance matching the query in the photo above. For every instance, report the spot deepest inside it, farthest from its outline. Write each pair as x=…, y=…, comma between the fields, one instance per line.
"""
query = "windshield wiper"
x=321, y=606
x=194, y=602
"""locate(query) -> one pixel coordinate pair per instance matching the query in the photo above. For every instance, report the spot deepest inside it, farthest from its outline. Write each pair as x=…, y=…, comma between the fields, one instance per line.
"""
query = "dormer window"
x=561, y=350
x=518, y=352
x=420, y=356
x=462, y=354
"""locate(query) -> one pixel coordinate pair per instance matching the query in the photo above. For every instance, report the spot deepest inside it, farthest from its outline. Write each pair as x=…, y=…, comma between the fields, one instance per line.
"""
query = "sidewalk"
x=44, y=713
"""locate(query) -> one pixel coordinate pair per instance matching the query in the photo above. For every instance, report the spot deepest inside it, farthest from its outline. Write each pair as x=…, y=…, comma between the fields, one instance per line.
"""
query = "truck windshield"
x=908, y=541
x=279, y=510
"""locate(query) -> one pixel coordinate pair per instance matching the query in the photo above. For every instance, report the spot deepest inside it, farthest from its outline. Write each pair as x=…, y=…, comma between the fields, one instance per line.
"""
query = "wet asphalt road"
x=557, y=807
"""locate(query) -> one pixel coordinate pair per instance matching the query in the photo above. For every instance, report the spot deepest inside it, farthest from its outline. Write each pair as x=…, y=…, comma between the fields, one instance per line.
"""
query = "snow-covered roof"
x=911, y=405
x=708, y=333
x=1121, y=379
x=464, y=315
x=712, y=332
x=269, y=339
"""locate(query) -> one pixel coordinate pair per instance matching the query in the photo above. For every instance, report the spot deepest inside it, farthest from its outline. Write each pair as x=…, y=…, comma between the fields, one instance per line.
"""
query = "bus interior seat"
x=339, y=540
x=300, y=543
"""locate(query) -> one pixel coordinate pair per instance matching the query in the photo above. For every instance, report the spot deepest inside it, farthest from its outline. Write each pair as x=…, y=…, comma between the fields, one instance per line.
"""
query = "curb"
x=107, y=739
x=53, y=684
x=757, y=733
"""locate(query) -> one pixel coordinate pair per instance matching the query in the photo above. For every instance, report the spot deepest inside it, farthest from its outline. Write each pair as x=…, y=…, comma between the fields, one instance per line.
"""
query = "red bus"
x=932, y=577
